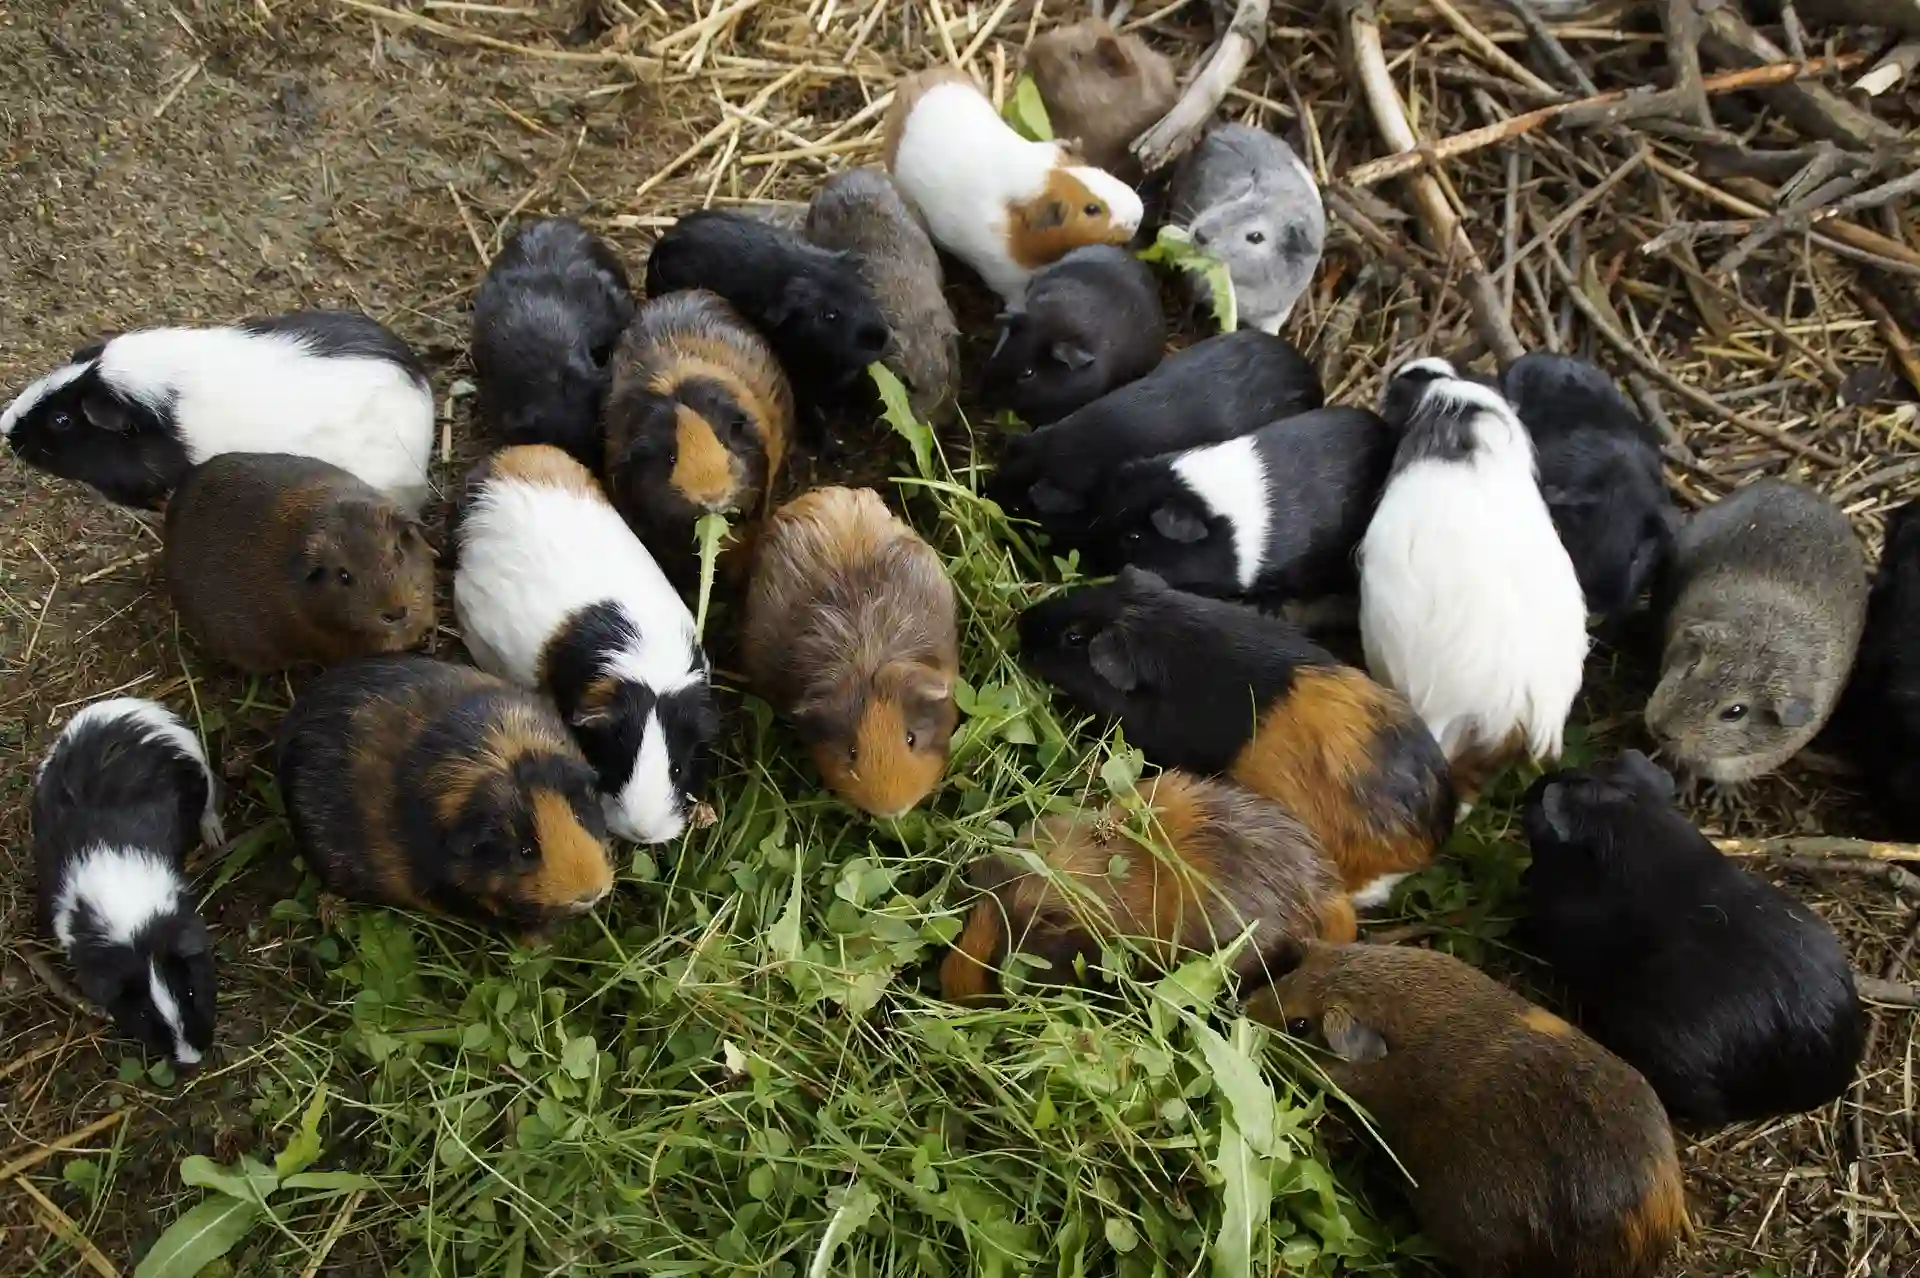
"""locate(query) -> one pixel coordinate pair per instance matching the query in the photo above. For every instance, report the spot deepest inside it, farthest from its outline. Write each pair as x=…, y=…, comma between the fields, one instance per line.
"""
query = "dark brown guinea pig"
x=1101, y=89
x=1534, y=1152
x=276, y=561
x=425, y=785
x=1214, y=861
x=697, y=422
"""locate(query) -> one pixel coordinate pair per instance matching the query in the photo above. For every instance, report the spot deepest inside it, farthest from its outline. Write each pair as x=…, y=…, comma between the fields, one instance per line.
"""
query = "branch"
x=1897, y=15
x=1820, y=845
x=1681, y=18
x=1813, y=109
x=1886, y=993
x=1182, y=126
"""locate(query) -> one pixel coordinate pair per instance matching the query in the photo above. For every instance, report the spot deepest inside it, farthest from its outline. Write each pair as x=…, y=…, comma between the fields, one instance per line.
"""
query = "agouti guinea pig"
x=545, y=321
x=1533, y=1151
x=116, y=805
x=276, y=561
x=849, y=630
x=1101, y=89
x=1089, y=322
x=131, y=415
x=1763, y=612
x=415, y=783
x=1211, y=862
x=1879, y=717
x=1468, y=601
x=1002, y=204
x=1249, y=202
x=1600, y=476
x=1218, y=687
x=1277, y=513
x=554, y=592
x=1734, y=999
x=697, y=422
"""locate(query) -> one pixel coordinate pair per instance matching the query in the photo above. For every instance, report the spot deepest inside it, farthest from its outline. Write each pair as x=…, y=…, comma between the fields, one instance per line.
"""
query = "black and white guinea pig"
x=117, y=804
x=1734, y=999
x=131, y=415
x=599, y=630
x=1276, y=513
x=1878, y=722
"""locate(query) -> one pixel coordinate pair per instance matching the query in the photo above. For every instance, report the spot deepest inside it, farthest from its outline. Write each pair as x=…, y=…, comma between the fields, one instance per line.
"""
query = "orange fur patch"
x=751, y=375
x=1653, y=1226
x=1541, y=1021
x=545, y=466
x=574, y=870
x=704, y=472
x=382, y=732
x=1339, y=924
x=887, y=779
x=517, y=734
x=1051, y=224
x=966, y=973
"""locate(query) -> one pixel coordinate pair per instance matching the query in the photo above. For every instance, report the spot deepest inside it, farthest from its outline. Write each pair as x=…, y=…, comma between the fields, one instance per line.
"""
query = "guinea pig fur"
x=1089, y=322
x=1214, y=390
x=999, y=202
x=1734, y=999
x=1101, y=89
x=1277, y=513
x=1599, y=474
x=861, y=214
x=1879, y=717
x=1763, y=612
x=1468, y=602
x=131, y=415
x=116, y=805
x=1249, y=202
x=414, y=783
x=697, y=422
x=1213, y=861
x=545, y=322
x=1533, y=1151
x=1218, y=687
x=276, y=561
x=600, y=631
x=849, y=630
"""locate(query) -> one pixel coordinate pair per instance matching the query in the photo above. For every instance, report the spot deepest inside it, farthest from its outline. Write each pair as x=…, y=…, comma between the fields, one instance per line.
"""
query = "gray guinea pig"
x=1102, y=90
x=1763, y=613
x=1250, y=202
x=1089, y=322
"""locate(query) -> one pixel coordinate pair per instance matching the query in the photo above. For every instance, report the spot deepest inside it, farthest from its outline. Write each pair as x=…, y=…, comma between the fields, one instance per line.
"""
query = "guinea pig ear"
x=1112, y=660
x=1072, y=354
x=1046, y=215
x=1649, y=774
x=1176, y=523
x=1137, y=580
x=795, y=295
x=1112, y=55
x=191, y=941
x=1050, y=499
x=1792, y=712
x=106, y=412
x=1351, y=1040
x=1557, y=809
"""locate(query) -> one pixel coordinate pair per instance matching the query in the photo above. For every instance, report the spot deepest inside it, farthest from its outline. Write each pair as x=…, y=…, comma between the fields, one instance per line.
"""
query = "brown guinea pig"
x=1101, y=89
x=1533, y=1150
x=1214, y=860
x=417, y=783
x=697, y=422
x=276, y=561
x=849, y=631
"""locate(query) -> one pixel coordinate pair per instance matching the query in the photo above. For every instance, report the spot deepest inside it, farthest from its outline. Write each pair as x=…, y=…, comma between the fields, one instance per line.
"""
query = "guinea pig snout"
x=396, y=618
x=584, y=903
x=870, y=339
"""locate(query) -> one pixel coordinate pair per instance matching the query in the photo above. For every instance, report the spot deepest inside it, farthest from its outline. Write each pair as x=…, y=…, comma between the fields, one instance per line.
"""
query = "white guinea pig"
x=1001, y=203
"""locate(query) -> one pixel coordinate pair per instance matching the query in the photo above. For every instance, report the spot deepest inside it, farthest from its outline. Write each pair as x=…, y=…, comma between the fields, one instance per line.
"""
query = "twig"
x=1182, y=125
x=1656, y=413
x=56, y=984
x=1812, y=108
x=1900, y=15
x=1889, y=993
x=179, y=87
x=1890, y=331
x=1682, y=22
x=1548, y=45
x=473, y=231
x=28, y=1161
x=1795, y=216
x=1487, y=49
x=1819, y=845
x=1901, y=880
x=1900, y=62
x=1858, y=1093
x=332, y=1236
x=61, y=1226
x=640, y=66
x=1845, y=238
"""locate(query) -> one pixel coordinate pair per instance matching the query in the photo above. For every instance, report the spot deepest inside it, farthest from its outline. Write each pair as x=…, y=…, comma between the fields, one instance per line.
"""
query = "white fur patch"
x=648, y=807
x=1458, y=392
x=124, y=888
x=1123, y=202
x=24, y=402
x=163, y=1003
x=1376, y=893
x=161, y=726
x=1231, y=479
x=1431, y=364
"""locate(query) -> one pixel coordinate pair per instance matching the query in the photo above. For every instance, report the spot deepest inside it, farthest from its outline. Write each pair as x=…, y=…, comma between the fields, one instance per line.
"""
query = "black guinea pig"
x=1734, y=999
x=1878, y=722
x=1089, y=322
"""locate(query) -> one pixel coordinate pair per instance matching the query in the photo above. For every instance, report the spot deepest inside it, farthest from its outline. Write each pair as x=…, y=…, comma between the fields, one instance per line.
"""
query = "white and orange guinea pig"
x=1001, y=203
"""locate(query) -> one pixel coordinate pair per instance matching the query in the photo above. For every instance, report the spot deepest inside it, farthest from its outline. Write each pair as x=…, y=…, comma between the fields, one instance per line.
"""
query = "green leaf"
x=1027, y=113
x=1121, y=1235
x=202, y=1236
x=579, y=1057
x=1121, y=770
x=899, y=415
x=84, y=1175
x=1237, y=1077
x=1044, y=1114
x=251, y=1184
x=856, y=1207
x=304, y=1148
x=708, y=533
x=783, y=938
x=331, y=1182
x=1174, y=247
x=1246, y=1197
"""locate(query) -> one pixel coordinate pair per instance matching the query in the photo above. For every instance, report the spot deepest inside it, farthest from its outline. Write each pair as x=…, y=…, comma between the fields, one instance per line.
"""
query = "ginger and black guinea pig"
x=1532, y=1150
x=545, y=321
x=849, y=631
x=1208, y=862
x=1001, y=203
x=1763, y=610
x=1102, y=90
x=1222, y=688
x=1089, y=322
x=416, y=783
x=698, y=421
x=1734, y=999
x=121, y=797
x=276, y=561
x=1878, y=721
x=1249, y=202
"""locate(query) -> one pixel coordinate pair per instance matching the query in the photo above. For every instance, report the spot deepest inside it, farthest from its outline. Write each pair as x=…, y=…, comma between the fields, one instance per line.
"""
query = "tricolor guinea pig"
x=1102, y=89
x=1249, y=202
x=1089, y=322
x=1879, y=716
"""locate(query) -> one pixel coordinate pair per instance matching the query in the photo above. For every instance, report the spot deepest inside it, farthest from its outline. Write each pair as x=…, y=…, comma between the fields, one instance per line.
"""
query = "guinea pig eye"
x=1256, y=237
x=853, y=755
x=913, y=740
x=1075, y=636
x=61, y=421
x=346, y=578
x=1025, y=375
x=1300, y=1027
x=830, y=315
x=1734, y=713
x=1093, y=210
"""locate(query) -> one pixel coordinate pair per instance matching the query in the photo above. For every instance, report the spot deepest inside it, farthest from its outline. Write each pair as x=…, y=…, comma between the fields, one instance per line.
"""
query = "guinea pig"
x=1101, y=89
x=116, y=805
x=1089, y=322
x=1879, y=716
x=1213, y=861
x=1531, y=1149
x=1277, y=513
x=415, y=783
x=1469, y=604
x=1599, y=474
x=1249, y=202
x=1218, y=687
x=1214, y=390
x=697, y=422
x=850, y=631
x=132, y=414
x=1734, y=999
x=545, y=321
x=811, y=303
x=1002, y=204
x=1763, y=613
x=276, y=561
x=599, y=630
x=861, y=214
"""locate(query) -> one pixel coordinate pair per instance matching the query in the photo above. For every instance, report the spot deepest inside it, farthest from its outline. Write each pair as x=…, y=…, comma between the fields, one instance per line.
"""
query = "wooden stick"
x=1813, y=109
x=1499, y=58
x=1842, y=233
x=1548, y=45
x=1681, y=18
x=1181, y=127
x=1886, y=993
x=61, y=1226
x=1890, y=330
x=1900, y=62
x=36, y=1157
x=1819, y=845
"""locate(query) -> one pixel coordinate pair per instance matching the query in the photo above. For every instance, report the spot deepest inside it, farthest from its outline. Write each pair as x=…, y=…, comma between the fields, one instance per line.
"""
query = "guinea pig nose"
x=1200, y=238
x=871, y=337
x=394, y=616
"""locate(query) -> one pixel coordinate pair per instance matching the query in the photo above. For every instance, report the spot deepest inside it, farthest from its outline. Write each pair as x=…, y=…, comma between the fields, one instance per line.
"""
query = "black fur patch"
x=137, y=463
x=342, y=335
